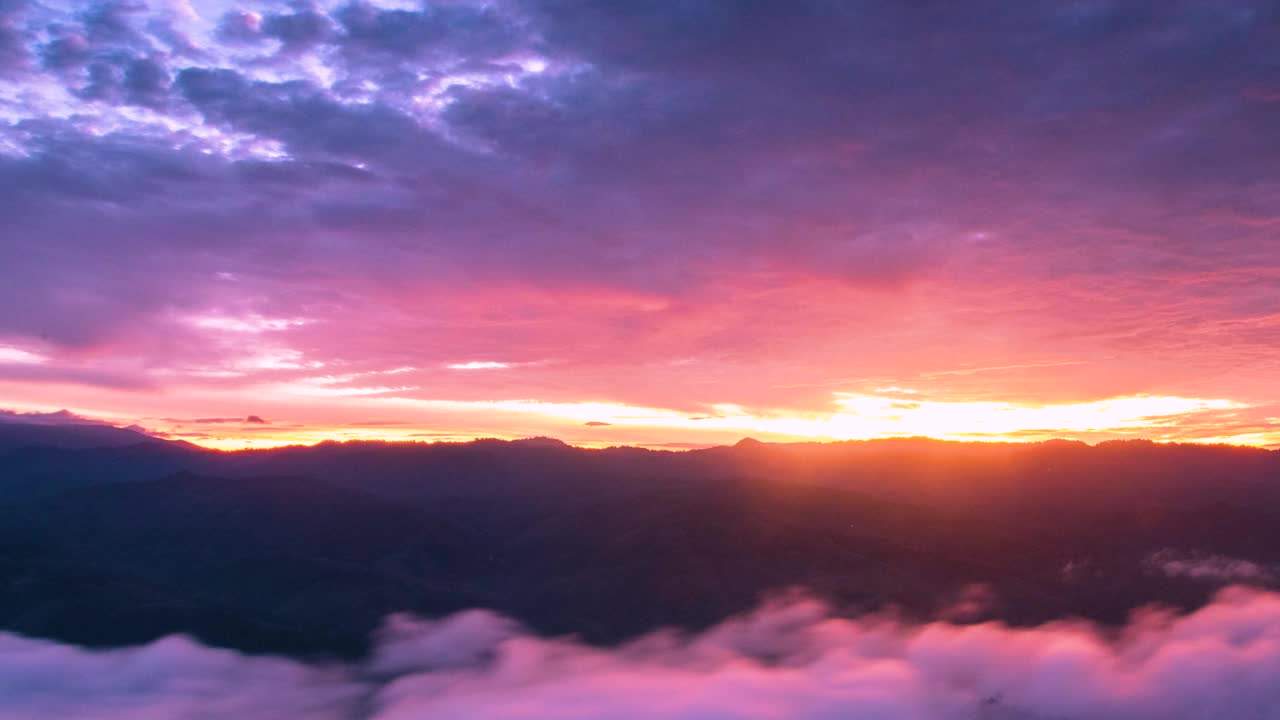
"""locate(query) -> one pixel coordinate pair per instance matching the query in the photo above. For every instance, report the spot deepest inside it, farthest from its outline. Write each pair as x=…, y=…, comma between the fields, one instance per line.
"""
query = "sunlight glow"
x=865, y=417
x=479, y=365
x=17, y=356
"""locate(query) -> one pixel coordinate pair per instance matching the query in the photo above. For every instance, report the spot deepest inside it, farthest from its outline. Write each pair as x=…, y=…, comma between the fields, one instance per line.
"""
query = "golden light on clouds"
x=866, y=417
x=342, y=407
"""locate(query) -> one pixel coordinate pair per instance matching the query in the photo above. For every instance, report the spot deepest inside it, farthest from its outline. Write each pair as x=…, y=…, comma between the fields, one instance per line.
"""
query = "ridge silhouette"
x=305, y=549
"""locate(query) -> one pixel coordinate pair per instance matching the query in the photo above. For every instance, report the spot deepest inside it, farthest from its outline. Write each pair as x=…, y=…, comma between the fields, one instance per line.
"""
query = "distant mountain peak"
x=542, y=441
x=69, y=436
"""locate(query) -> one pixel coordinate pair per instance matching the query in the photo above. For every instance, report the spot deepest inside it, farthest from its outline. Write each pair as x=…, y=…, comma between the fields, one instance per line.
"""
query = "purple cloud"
x=789, y=658
x=647, y=186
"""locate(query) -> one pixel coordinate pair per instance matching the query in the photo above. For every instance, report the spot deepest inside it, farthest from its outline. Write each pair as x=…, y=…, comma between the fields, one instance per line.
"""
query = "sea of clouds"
x=789, y=659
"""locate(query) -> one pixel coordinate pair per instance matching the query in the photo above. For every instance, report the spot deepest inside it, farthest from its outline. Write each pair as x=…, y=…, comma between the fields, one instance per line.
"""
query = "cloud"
x=444, y=33
x=166, y=680
x=18, y=356
x=1218, y=569
x=611, y=185
x=253, y=325
x=60, y=417
x=14, y=56
x=791, y=658
x=250, y=420
x=297, y=31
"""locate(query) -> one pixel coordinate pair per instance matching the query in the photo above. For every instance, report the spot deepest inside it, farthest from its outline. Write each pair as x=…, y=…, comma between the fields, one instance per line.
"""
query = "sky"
x=670, y=224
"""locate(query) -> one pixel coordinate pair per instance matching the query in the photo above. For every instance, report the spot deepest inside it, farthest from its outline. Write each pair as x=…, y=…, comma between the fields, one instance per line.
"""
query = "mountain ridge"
x=304, y=549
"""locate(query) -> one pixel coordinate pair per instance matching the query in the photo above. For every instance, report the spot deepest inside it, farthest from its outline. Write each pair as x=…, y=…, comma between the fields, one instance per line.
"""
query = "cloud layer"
x=791, y=658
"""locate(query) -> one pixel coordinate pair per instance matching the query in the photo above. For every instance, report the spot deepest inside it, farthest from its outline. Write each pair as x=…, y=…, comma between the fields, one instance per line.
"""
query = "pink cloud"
x=789, y=659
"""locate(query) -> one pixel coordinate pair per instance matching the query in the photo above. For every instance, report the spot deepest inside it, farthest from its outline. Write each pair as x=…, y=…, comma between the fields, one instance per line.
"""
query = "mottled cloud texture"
x=789, y=659
x=723, y=202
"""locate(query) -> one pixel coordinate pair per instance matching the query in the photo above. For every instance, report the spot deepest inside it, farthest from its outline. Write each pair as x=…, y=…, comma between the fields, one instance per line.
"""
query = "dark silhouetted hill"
x=68, y=437
x=305, y=549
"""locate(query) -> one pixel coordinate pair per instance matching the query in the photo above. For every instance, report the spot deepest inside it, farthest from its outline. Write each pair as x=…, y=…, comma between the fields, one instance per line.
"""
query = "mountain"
x=303, y=550
x=299, y=561
x=69, y=436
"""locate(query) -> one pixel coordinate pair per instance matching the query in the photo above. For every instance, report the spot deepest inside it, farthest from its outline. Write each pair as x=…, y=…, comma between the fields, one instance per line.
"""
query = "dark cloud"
x=13, y=52
x=298, y=31
x=449, y=33
x=104, y=83
x=146, y=82
x=306, y=118
x=65, y=52
x=15, y=58
x=112, y=22
x=596, y=423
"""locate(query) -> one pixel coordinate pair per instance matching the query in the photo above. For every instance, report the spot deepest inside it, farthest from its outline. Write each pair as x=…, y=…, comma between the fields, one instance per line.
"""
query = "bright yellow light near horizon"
x=852, y=416
x=248, y=443
x=866, y=417
x=315, y=435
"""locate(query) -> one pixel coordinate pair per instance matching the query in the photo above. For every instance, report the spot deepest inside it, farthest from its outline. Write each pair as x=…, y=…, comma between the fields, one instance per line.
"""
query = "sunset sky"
x=666, y=224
